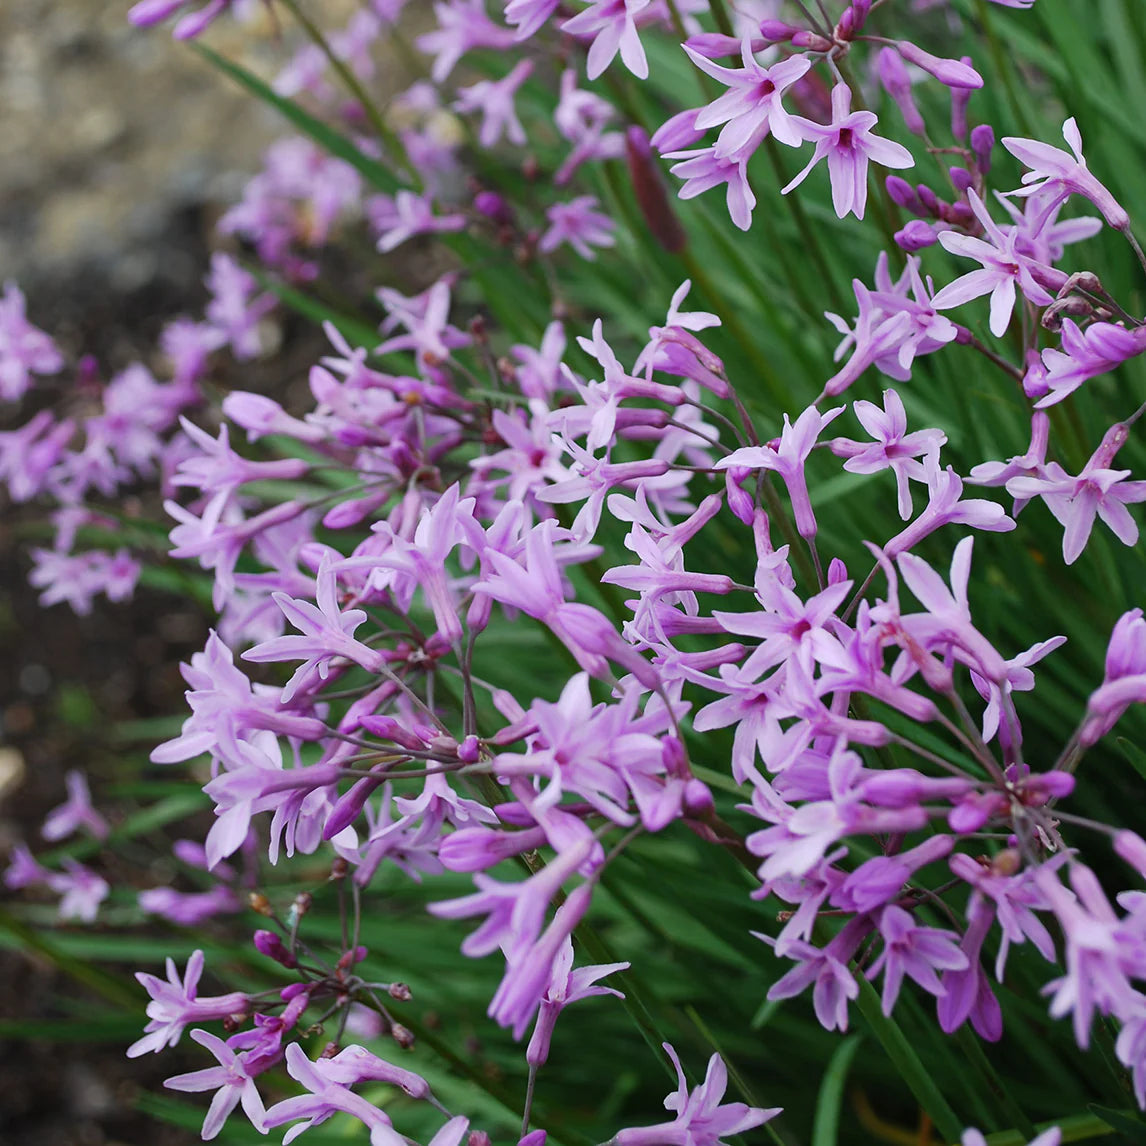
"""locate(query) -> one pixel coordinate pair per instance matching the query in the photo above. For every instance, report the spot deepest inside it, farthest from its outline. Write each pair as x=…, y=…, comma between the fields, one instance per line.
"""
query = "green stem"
x=389, y=139
x=971, y=1047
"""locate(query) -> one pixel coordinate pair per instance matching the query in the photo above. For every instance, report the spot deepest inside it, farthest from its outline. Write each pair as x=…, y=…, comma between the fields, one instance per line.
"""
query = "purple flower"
x=1060, y=175
x=612, y=25
x=915, y=952
x=327, y=634
x=80, y=889
x=894, y=447
x=848, y=144
x=326, y=1097
x=235, y=310
x=77, y=812
x=148, y=12
x=189, y=909
x=751, y=107
x=174, y=1004
x=29, y=454
x=232, y=1081
x=24, y=350
x=579, y=225
x=701, y=1119
x=462, y=26
x=1123, y=682
x=528, y=16
x=1085, y=354
x=405, y=215
x=1003, y=268
x=1097, y=491
x=494, y=99
x=566, y=986
x=787, y=459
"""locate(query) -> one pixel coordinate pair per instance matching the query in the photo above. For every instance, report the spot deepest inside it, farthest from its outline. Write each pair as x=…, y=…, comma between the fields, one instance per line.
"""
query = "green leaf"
x=907, y=1063
x=826, y=1127
x=1129, y=1125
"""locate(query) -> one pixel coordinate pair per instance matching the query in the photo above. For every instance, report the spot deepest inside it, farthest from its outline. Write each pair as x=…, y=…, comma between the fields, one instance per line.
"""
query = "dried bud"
x=259, y=902
x=1007, y=862
x=339, y=869
x=478, y=1138
x=330, y=1050
x=302, y=903
x=400, y=992
x=403, y=1036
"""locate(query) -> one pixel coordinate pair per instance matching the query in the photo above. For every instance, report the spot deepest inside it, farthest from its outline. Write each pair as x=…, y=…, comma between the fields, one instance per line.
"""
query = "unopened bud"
x=953, y=73
x=916, y=236
x=982, y=140
x=269, y=944
x=777, y=31
x=962, y=178
x=478, y=1138
x=330, y=1050
x=649, y=188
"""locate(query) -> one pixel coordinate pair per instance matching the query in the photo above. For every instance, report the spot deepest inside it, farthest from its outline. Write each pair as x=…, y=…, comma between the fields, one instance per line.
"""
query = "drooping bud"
x=269, y=944
x=953, y=73
x=649, y=188
x=897, y=83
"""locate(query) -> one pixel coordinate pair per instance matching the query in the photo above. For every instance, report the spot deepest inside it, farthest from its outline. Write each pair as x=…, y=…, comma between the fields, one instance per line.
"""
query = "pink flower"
x=612, y=25
x=701, y=1119
x=849, y=145
x=1053, y=170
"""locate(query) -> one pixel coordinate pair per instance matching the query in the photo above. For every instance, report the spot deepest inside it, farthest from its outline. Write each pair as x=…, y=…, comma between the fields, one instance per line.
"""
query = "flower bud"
x=777, y=31
x=903, y=194
x=982, y=140
x=953, y=73
x=269, y=944
x=403, y=1036
x=259, y=902
x=917, y=235
x=649, y=188
x=962, y=178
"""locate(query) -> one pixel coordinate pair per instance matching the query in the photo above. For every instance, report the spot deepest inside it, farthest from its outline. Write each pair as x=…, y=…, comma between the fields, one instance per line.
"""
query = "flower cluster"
x=469, y=471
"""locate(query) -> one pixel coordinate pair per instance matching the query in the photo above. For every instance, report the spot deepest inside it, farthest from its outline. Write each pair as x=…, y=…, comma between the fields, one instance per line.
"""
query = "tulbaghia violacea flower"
x=148, y=12
x=751, y=108
x=1084, y=354
x=1004, y=268
x=407, y=214
x=232, y=1080
x=75, y=813
x=579, y=224
x=787, y=458
x=326, y=1097
x=174, y=1004
x=701, y=1118
x=612, y=25
x=848, y=144
x=894, y=448
x=24, y=350
x=494, y=99
x=1124, y=679
x=1052, y=169
x=462, y=26
x=1097, y=491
